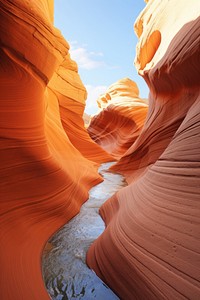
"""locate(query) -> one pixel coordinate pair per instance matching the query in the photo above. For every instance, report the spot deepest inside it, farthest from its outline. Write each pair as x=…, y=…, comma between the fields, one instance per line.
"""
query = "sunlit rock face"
x=164, y=59
x=150, y=248
x=44, y=177
x=71, y=95
x=121, y=117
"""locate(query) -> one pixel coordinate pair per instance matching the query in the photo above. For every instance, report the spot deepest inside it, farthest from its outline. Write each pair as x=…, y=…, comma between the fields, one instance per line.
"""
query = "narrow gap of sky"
x=102, y=41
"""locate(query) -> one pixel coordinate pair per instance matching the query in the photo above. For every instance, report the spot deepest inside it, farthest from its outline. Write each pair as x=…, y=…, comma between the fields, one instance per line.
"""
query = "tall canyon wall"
x=45, y=174
x=150, y=248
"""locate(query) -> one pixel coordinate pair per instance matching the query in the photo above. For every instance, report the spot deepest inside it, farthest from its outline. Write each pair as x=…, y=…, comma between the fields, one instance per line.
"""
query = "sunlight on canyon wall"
x=45, y=172
x=150, y=247
x=121, y=117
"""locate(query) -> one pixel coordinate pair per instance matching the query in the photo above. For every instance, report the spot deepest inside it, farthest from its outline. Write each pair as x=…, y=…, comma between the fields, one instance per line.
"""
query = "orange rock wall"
x=121, y=118
x=44, y=177
x=150, y=248
x=71, y=95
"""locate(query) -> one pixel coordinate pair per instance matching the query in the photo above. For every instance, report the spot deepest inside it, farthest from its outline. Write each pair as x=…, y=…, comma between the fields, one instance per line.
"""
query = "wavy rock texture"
x=44, y=178
x=166, y=81
x=71, y=95
x=121, y=118
x=150, y=248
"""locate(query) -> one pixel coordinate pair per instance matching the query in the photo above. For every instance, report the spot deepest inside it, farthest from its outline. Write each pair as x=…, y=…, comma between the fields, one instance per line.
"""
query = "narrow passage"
x=65, y=272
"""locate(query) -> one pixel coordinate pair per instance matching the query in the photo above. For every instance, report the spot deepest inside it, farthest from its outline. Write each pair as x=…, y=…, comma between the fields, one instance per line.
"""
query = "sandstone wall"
x=44, y=177
x=121, y=118
x=150, y=247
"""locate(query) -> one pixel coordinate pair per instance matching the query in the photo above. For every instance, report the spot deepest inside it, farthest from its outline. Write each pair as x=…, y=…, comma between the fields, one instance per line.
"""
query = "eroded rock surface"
x=121, y=118
x=71, y=95
x=44, y=177
x=150, y=247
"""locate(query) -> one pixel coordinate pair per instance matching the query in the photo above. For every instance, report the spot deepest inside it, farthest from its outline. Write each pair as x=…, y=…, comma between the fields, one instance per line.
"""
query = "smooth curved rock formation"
x=71, y=95
x=121, y=118
x=169, y=83
x=150, y=248
x=44, y=178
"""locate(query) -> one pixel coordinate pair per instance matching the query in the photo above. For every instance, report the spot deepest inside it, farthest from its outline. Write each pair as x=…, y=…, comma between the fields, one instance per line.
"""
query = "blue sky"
x=102, y=40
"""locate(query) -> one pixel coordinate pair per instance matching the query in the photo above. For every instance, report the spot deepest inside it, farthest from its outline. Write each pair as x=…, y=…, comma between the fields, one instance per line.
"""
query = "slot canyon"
x=137, y=161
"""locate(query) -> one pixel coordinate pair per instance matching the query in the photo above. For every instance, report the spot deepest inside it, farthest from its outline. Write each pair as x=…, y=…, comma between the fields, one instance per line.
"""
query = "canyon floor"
x=65, y=272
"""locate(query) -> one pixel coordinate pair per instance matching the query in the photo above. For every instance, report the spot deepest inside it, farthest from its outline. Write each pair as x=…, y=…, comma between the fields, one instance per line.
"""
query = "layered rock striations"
x=71, y=95
x=44, y=177
x=165, y=81
x=150, y=248
x=121, y=118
